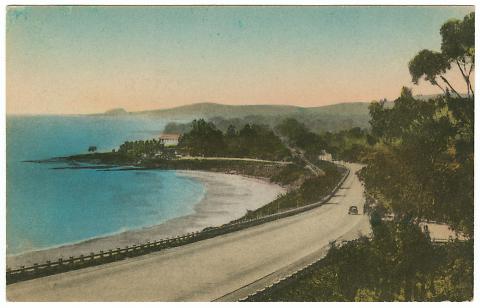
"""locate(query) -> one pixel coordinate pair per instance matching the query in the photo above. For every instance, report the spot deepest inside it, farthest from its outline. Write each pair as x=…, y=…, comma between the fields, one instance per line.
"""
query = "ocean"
x=49, y=207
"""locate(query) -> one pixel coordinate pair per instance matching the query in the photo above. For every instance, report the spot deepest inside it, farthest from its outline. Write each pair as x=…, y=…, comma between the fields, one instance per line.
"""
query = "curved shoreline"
x=227, y=197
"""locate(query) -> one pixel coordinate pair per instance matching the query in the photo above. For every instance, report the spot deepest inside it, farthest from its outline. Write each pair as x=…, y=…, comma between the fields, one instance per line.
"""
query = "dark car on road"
x=353, y=210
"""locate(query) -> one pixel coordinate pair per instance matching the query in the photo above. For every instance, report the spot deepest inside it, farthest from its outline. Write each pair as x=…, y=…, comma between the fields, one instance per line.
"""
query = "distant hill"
x=219, y=110
x=116, y=112
x=324, y=118
x=319, y=119
x=357, y=108
x=209, y=110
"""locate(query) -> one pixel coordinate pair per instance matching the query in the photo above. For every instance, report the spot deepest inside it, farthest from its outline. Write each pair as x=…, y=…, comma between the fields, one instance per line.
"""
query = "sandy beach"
x=227, y=197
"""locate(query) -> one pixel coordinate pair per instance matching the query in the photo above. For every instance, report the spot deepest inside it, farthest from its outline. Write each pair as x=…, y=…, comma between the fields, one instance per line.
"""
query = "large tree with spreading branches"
x=457, y=50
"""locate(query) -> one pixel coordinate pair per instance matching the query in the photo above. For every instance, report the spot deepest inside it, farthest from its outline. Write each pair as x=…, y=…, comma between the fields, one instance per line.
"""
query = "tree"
x=204, y=139
x=432, y=65
x=458, y=48
x=231, y=131
x=458, y=45
x=92, y=148
x=423, y=163
x=422, y=166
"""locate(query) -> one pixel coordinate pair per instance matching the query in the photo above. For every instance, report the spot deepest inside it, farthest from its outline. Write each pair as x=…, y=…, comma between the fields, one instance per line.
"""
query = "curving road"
x=227, y=267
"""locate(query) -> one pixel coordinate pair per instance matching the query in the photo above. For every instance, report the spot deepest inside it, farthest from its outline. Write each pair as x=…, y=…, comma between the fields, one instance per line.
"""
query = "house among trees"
x=169, y=139
x=325, y=156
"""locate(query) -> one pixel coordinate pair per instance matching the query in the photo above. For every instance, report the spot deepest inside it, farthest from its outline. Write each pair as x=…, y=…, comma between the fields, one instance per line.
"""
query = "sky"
x=78, y=60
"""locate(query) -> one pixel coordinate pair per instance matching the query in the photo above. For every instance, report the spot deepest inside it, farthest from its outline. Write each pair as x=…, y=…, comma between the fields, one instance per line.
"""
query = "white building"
x=325, y=156
x=169, y=139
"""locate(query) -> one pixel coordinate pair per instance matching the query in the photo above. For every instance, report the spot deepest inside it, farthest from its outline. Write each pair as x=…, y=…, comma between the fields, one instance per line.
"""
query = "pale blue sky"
x=88, y=59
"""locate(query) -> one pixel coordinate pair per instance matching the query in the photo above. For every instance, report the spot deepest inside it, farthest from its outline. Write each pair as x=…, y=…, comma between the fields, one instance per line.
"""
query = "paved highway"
x=227, y=267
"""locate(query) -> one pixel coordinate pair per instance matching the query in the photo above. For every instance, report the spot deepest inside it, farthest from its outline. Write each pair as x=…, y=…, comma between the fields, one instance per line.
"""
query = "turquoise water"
x=48, y=207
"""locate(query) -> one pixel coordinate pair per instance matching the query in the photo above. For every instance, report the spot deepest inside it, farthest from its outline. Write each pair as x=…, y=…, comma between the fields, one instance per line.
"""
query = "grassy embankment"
x=311, y=190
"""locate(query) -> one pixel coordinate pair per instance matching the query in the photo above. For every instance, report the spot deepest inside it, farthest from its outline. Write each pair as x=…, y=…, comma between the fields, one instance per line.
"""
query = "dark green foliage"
x=142, y=148
x=289, y=174
x=251, y=141
x=458, y=49
x=300, y=136
x=428, y=63
x=348, y=145
x=423, y=163
x=203, y=140
x=351, y=145
x=231, y=131
x=317, y=187
x=177, y=128
x=458, y=37
x=251, y=168
x=398, y=264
